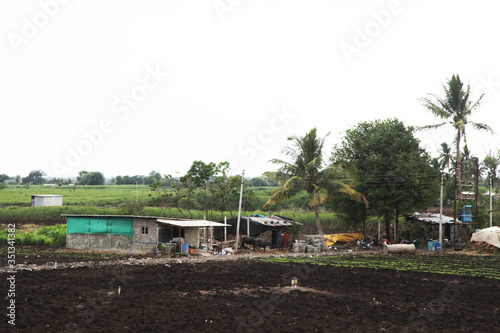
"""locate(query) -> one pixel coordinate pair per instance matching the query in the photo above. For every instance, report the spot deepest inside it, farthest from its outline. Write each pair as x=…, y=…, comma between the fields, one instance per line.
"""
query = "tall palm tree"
x=455, y=108
x=307, y=171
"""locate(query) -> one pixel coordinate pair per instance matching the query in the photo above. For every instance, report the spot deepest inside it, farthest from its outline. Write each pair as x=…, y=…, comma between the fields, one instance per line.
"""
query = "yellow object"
x=345, y=238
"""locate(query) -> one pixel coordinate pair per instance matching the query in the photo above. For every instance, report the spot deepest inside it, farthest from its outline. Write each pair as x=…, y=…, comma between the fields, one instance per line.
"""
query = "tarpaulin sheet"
x=100, y=225
x=344, y=238
x=488, y=235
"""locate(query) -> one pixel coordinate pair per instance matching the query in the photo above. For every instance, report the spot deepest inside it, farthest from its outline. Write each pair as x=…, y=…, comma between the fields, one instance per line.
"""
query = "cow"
x=261, y=242
x=247, y=240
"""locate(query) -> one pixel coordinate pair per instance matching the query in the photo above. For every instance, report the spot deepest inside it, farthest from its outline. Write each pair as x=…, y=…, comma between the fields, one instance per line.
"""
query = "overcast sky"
x=126, y=87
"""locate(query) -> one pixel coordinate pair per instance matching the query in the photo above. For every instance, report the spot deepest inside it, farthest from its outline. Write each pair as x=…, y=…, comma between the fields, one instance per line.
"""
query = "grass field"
x=102, y=195
x=15, y=205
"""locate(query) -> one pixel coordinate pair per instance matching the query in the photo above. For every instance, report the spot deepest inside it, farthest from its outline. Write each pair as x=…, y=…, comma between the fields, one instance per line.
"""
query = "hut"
x=132, y=233
x=46, y=200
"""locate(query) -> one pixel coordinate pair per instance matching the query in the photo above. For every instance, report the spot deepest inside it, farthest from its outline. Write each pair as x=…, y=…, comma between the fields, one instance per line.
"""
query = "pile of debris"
x=310, y=244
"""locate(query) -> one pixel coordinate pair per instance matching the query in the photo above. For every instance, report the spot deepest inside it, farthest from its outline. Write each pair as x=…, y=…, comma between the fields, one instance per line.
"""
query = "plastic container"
x=184, y=248
x=431, y=246
x=437, y=246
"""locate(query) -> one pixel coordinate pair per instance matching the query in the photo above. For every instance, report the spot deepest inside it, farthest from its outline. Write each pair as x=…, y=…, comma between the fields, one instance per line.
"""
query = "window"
x=144, y=230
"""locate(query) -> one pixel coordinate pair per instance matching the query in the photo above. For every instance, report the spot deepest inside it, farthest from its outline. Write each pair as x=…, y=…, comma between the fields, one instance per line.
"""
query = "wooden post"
x=225, y=230
x=239, y=215
x=248, y=227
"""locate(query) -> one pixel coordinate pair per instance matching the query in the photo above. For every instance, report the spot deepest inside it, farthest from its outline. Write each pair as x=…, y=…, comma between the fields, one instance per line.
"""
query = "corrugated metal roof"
x=193, y=223
x=271, y=220
x=431, y=218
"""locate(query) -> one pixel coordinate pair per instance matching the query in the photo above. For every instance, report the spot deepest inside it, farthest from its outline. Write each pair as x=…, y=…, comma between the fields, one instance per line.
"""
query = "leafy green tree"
x=90, y=178
x=3, y=178
x=306, y=171
x=35, y=177
x=199, y=176
x=391, y=169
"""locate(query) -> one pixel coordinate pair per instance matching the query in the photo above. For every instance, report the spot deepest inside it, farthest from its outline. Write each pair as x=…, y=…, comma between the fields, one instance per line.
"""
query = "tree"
x=455, y=108
x=199, y=175
x=35, y=177
x=391, y=169
x=307, y=172
x=90, y=178
x=3, y=178
x=491, y=164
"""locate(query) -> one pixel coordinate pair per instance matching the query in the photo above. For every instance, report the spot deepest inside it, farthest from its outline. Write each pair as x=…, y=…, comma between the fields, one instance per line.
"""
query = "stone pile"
x=310, y=244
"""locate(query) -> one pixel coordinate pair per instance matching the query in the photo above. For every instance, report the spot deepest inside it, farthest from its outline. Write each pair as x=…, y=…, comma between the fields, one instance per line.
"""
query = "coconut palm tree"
x=307, y=171
x=454, y=108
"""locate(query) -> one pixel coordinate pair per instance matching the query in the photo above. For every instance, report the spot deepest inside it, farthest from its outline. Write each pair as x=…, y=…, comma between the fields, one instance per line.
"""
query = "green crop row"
x=483, y=266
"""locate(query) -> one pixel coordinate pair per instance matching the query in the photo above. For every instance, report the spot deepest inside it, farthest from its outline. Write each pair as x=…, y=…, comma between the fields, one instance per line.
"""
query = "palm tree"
x=454, y=108
x=445, y=157
x=306, y=171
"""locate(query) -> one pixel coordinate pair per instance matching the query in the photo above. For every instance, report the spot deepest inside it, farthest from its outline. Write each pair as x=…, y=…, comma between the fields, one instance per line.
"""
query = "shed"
x=433, y=221
x=255, y=225
x=46, y=200
x=130, y=233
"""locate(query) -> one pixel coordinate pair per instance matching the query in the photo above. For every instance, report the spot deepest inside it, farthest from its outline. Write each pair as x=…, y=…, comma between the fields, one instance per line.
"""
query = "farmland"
x=15, y=202
x=254, y=295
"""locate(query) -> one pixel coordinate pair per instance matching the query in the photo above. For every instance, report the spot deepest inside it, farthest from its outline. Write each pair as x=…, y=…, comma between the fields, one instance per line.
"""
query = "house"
x=46, y=200
x=131, y=233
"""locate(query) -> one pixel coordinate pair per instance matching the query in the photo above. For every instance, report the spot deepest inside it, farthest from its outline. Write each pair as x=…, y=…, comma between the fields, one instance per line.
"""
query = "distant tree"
x=491, y=163
x=3, y=177
x=35, y=177
x=90, y=178
x=152, y=177
x=392, y=171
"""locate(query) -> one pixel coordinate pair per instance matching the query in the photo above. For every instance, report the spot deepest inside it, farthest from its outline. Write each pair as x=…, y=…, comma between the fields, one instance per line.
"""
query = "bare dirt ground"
x=230, y=294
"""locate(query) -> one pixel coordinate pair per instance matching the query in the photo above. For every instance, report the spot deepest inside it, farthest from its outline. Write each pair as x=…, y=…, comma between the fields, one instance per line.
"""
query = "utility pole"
x=441, y=211
x=239, y=214
x=491, y=206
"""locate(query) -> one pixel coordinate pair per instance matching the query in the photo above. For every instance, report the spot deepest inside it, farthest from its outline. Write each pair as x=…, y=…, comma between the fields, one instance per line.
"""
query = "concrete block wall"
x=98, y=242
x=144, y=242
x=310, y=244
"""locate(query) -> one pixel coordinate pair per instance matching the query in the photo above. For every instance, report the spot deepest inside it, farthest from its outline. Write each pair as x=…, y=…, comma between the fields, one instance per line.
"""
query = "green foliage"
x=486, y=267
x=46, y=235
x=90, y=178
x=306, y=171
x=391, y=170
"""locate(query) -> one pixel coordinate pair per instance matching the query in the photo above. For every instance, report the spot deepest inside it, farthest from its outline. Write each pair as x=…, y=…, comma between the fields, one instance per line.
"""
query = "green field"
x=476, y=266
x=101, y=195
x=15, y=205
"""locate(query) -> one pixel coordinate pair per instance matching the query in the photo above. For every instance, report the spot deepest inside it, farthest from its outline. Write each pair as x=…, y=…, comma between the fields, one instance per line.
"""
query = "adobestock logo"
x=30, y=27
x=364, y=36
x=252, y=145
x=122, y=107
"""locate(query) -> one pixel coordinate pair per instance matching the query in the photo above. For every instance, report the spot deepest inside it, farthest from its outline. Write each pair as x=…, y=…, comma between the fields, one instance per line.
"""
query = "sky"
x=125, y=87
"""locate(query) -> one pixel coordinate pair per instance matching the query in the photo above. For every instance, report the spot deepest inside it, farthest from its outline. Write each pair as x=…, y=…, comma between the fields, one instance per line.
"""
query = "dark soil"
x=249, y=296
